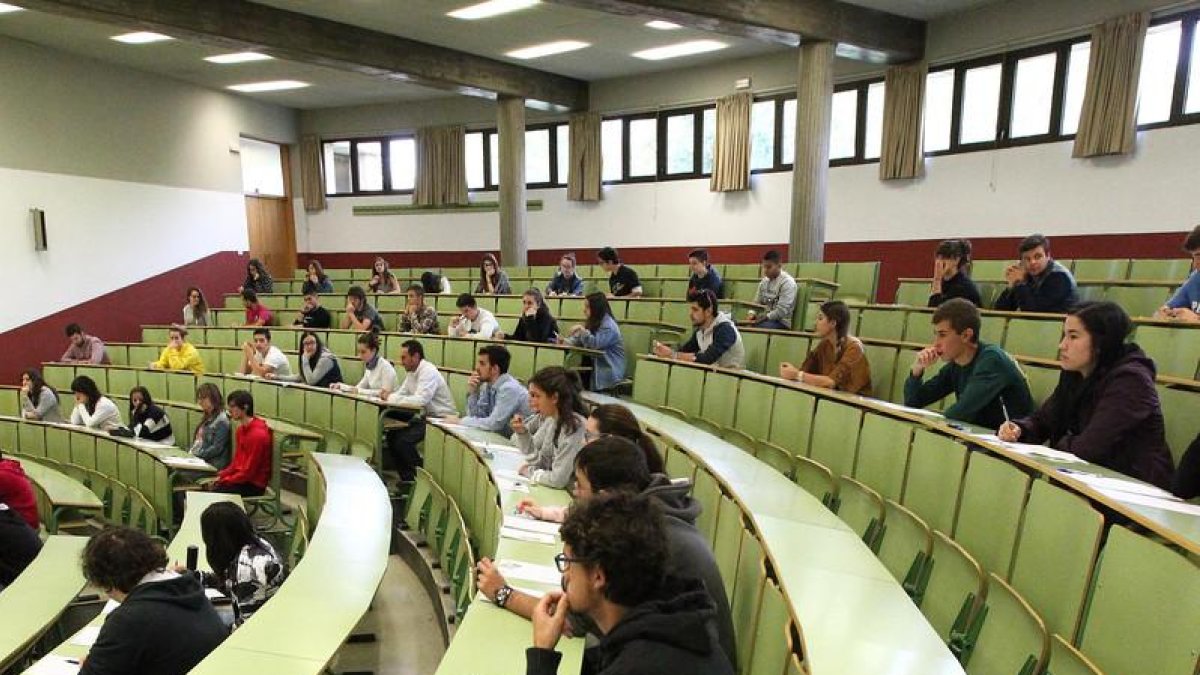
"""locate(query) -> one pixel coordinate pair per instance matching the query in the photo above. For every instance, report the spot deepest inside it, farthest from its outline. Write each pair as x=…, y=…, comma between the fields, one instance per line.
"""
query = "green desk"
x=33, y=603
x=61, y=491
x=189, y=530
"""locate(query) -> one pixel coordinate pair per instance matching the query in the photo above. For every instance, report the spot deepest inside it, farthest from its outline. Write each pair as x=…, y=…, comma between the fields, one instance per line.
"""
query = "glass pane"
x=939, y=109
x=643, y=147
x=1033, y=95
x=873, y=141
x=537, y=156
x=762, y=135
x=402, y=155
x=611, y=133
x=843, y=127
x=1077, y=70
x=494, y=160
x=1156, y=85
x=262, y=168
x=474, y=149
x=708, y=140
x=787, y=137
x=337, y=168
x=981, y=104
x=564, y=151
x=370, y=166
x=681, y=143
x=1192, y=104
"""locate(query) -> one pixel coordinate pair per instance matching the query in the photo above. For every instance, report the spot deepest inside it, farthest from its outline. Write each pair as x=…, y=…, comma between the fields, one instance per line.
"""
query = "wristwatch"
x=503, y=595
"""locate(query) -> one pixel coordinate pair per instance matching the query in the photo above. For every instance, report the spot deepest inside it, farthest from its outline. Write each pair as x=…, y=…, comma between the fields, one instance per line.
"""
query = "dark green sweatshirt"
x=978, y=386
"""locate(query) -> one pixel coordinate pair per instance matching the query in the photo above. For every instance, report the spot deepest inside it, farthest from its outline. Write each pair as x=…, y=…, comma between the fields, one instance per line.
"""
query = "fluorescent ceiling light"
x=237, y=57
x=538, y=51
x=141, y=38
x=681, y=49
x=491, y=8
x=273, y=85
x=662, y=25
x=5, y=8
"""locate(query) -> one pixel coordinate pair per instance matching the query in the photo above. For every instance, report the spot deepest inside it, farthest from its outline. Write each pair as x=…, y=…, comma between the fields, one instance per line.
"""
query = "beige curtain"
x=731, y=148
x=584, y=169
x=441, y=167
x=312, y=179
x=1108, y=122
x=903, y=154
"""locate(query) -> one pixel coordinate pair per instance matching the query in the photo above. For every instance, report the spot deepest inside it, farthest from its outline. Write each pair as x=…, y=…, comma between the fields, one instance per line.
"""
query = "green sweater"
x=979, y=387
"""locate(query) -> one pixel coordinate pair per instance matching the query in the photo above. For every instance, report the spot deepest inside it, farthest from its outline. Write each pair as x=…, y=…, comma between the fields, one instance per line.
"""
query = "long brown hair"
x=483, y=275
x=617, y=420
x=565, y=384
x=598, y=308
x=209, y=391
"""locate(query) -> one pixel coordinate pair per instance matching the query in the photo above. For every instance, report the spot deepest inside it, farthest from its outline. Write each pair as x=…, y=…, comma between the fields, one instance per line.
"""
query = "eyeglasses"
x=562, y=560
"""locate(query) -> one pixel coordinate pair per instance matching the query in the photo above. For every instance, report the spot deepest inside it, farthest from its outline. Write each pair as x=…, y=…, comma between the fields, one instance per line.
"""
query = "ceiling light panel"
x=6, y=8
x=662, y=25
x=681, y=49
x=547, y=49
x=237, y=57
x=141, y=38
x=273, y=85
x=486, y=10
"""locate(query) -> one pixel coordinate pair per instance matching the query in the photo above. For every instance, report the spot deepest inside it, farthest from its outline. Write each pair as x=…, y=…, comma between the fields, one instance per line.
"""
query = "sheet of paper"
x=1109, y=484
x=528, y=524
x=1030, y=450
x=185, y=461
x=512, y=486
x=903, y=408
x=214, y=594
x=510, y=476
x=524, y=535
x=541, y=574
x=109, y=607
x=86, y=637
x=55, y=665
x=447, y=425
x=1154, y=502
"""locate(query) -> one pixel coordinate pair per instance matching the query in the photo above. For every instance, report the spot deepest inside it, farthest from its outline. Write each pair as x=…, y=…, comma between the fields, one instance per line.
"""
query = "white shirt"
x=106, y=417
x=274, y=359
x=425, y=387
x=484, y=325
x=375, y=380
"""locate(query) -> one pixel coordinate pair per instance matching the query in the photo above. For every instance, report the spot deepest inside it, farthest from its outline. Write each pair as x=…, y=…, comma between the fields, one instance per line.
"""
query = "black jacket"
x=542, y=327
x=162, y=628
x=1051, y=291
x=958, y=286
x=19, y=545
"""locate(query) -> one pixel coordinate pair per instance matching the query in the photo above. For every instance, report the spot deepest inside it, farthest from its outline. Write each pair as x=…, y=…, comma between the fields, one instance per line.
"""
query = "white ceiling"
x=921, y=9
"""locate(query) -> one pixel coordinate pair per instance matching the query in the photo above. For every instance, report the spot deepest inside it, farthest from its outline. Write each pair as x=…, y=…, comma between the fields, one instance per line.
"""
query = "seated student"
x=551, y=437
x=434, y=283
x=492, y=279
x=536, y=323
x=716, y=339
x=245, y=566
x=418, y=317
x=262, y=358
x=424, y=387
x=84, y=348
x=1184, y=305
x=360, y=315
x=952, y=274
x=777, y=292
x=179, y=354
x=600, y=331
x=613, y=419
x=250, y=471
x=838, y=361
x=315, y=280
x=17, y=491
x=212, y=440
x=39, y=401
x=92, y=410
x=565, y=281
x=1105, y=408
x=318, y=366
x=615, y=572
x=1038, y=283
x=382, y=279
x=623, y=282
x=987, y=382
x=19, y=545
x=472, y=320
x=195, y=312
x=379, y=375
x=1187, y=477
x=147, y=420
x=312, y=314
x=258, y=279
x=257, y=313
x=493, y=396
x=704, y=276
x=163, y=624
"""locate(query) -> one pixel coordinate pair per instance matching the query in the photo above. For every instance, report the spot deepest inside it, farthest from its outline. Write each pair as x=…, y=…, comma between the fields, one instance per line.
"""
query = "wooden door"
x=272, y=227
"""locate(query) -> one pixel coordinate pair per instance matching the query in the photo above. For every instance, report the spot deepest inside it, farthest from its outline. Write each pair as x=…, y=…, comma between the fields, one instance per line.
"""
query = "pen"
x=1004, y=409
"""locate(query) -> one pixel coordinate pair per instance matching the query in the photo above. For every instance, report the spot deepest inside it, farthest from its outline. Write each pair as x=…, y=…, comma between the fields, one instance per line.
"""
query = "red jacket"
x=16, y=491
x=251, y=455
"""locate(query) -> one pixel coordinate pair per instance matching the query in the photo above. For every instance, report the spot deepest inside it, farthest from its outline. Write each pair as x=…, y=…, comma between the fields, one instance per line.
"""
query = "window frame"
x=385, y=154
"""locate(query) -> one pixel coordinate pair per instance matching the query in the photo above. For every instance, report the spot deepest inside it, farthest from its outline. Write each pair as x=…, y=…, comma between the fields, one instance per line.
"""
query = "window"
x=1192, y=105
x=1033, y=95
x=337, y=168
x=787, y=133
x=1077, y=71
x=537, y=156
x=708, y=141
x=473, y=146
x=843, y=131
x=563, y=149
x=939, y=109
x=681, y=144
x=402, y=163
x=494, y=158
x=262, y=168
x=370, y=166
x=611, y=135
x=643, y=148
x=873, y=136
x=980, y=104
x=762, y=135
x=1156, y=84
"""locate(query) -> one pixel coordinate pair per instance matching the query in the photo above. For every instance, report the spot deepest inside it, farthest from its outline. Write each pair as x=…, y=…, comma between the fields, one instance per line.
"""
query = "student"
x=84, y=348
x=704, y=276
x=147, y=420
x=312, y=314
x=258, y=279
x=419, y=317
x=952, y=274
x=211, y=442
x=315, y=280
x=839, y=360
x=318, y=366
x=536, y=323
x=250, y=471
x=435, y=283
x=39, y=401
x=472, y=320
x=379, y=375
x=195, y=312
x=493, y=395
x=17, y=492
x=257, y=313
x=92, y=410
x=600, y=331
x=984, y=379
x=715, y=341
x=382, y=279
x=776, y=291
x=565, y=281
x=615, y=571
x=19, y=545
x=424, y=388
x=552, y=436
x=1105, y=408
x=245, y=566
x=1038, y=283
x=179, y=354
x=1184, y=305
x=262, y=358
x=623, y=282
x=492, y=279
x=617, y=420
x=163, y=624
x=360, y=315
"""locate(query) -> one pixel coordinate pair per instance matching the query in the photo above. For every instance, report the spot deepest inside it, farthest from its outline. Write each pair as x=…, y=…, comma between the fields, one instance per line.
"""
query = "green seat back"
x=1066, y=660
x=755, y=344
x=1032, y=337
x=989, y=518
x=650, y=386
x=1012, y=638
x=857, y=281
x=728, y=542
x=706, y=491
x=881, y=324
x=792, y=420
x=835, y=435
x=861, y=508
x=1092, y=269
x=1179, y=407
x=754, y=403
x=747, y=596
x=953, y=588
x=685, y=390
x=883, y=448
x=785, y=348
x=882, y=361
x=1042, y=380
x=1173, y=269
x=1175, y=350
x=935, y=472
x=720, y=399
x=905, y=546
x=771, y=651
x=913, y=293
x=1139, y=301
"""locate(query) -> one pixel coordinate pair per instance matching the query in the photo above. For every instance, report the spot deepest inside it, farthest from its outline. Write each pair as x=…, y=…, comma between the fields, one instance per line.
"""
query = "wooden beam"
x=859, y=32
x=292, y=36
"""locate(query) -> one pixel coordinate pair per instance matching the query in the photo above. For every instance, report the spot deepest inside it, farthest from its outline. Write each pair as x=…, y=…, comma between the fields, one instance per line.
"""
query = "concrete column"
x=810, y=175
x=510, y=119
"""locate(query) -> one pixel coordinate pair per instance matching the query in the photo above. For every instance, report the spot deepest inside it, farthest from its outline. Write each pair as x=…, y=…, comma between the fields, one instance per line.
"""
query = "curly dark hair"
x=624, y=535
x=118, y=557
